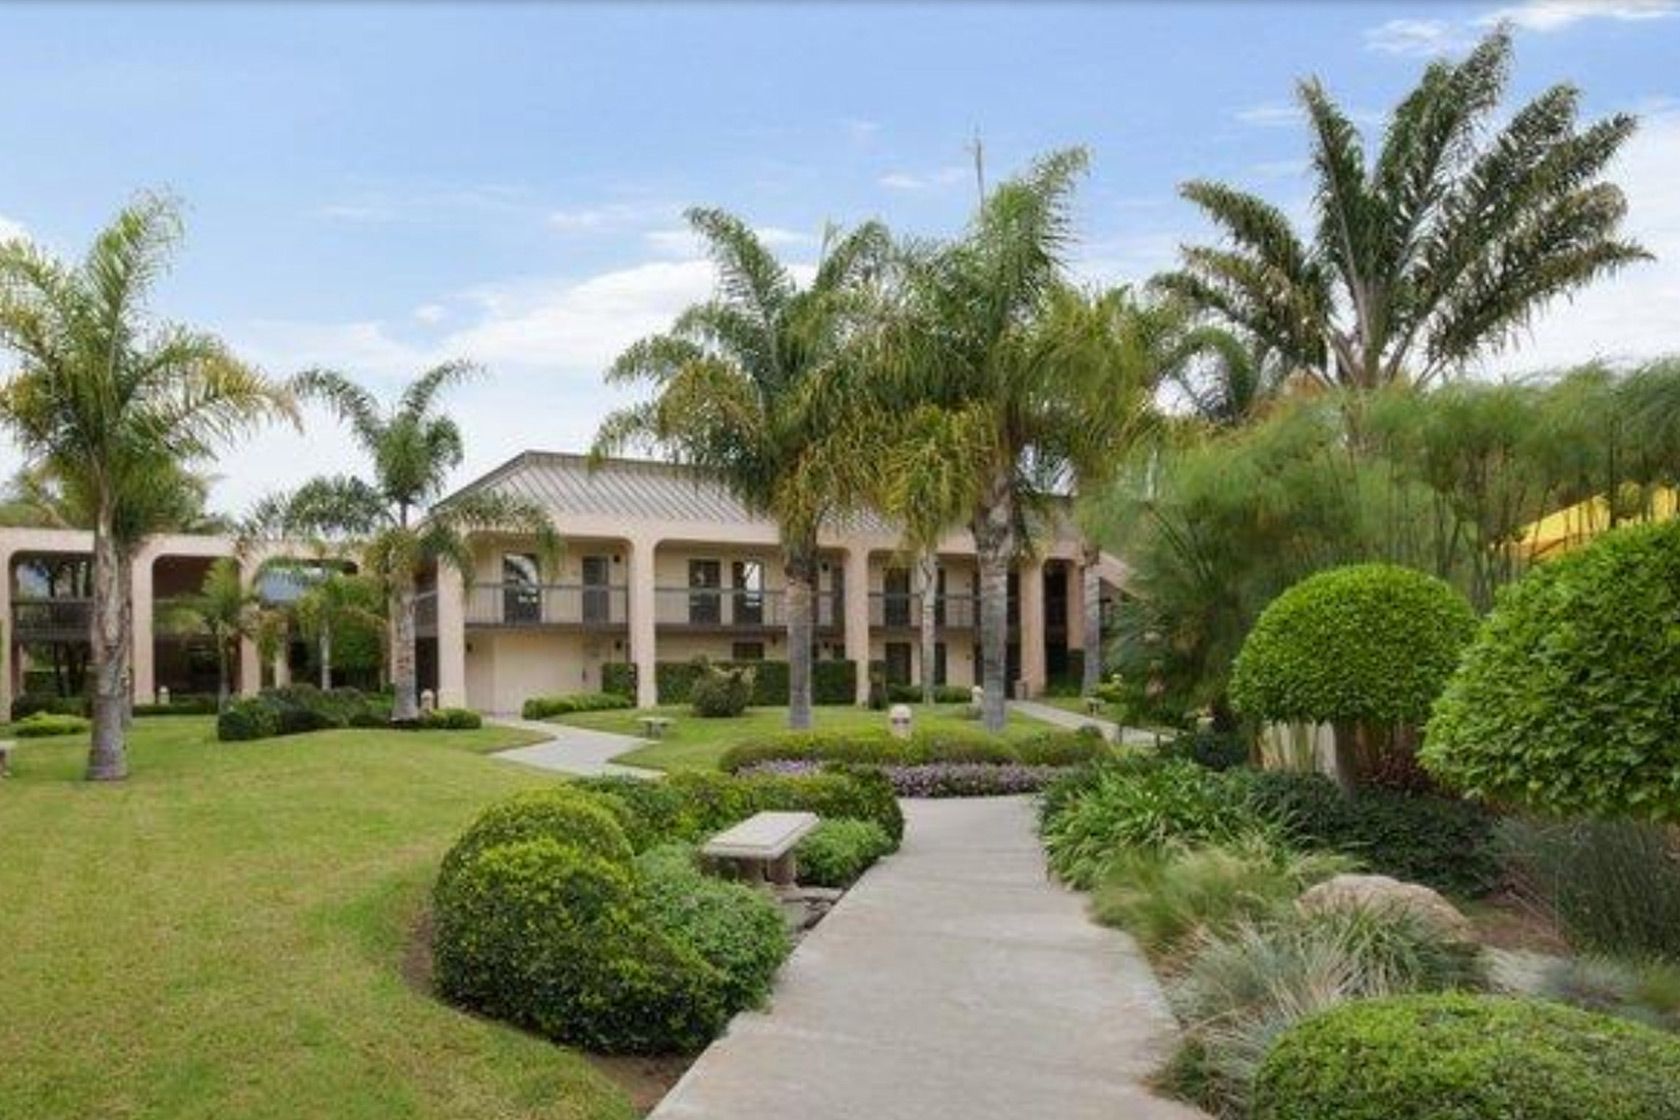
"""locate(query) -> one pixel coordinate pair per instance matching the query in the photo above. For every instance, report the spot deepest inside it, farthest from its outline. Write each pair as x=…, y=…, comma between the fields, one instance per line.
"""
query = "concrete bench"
x=762, y=846
x=1093, y=706
x=653, y=727
x=6, y=748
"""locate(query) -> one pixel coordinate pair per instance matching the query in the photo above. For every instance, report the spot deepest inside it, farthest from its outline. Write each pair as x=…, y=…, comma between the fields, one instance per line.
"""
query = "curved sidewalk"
x=954, y=981
x=573, y=750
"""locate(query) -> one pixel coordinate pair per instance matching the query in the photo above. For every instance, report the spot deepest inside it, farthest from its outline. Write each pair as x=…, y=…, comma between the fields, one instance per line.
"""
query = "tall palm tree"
x=958, y=358
x=335, y=604
x=1438, y=251
x=224, y=609
x=743, y=394
x=112, y=404
x=392, y=515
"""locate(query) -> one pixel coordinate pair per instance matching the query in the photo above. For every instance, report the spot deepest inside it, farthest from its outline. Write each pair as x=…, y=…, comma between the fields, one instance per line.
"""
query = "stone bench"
x=653, y=727
x=762, y=846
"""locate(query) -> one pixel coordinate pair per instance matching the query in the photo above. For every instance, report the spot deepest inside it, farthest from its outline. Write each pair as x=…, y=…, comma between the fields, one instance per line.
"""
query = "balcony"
x=52, y=620
x=520, y=605
x=902, y=610
x=711, y=608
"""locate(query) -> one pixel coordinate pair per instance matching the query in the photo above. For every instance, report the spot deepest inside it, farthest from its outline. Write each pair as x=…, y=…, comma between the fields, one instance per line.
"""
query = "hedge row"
x=881, y=748
x=832, y=682
x=546, y=707
x=297, y=709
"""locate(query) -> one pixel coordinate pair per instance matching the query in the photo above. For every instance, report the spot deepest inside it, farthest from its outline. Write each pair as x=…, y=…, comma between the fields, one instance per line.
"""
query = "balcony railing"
x=52, y=620
x=713, y=608
x=548, y=604
x=902, y=610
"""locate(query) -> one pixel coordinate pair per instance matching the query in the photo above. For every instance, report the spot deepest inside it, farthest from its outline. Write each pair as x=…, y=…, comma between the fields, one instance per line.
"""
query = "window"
x=939, y=663
x=747, y=651
x=898, y=662
x=521, y=588
x=747, y=577
x=705, y=581
x=939, y=597
x=896, y=597
x=597, y=598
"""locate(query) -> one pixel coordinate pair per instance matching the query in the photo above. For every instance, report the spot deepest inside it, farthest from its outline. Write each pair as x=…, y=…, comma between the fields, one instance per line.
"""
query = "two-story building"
x=657, y=565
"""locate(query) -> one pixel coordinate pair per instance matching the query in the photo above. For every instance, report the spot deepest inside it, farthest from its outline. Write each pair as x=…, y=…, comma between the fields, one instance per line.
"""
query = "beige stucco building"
x=657, y=566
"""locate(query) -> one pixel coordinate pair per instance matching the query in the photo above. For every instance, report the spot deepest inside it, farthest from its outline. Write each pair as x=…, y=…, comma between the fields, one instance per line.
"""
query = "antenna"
x=978, y=148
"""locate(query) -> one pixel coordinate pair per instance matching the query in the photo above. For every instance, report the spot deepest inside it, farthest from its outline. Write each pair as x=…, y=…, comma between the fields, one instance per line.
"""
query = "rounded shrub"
x=451, y=719
x=566, y=816
x=838, y=851
x=551, y=937
x=719, y=693
x=245, y=719
x=735, y=928
x=1458, y=1057
x=1368, y=644
x=43, y=725
x=1568, y=699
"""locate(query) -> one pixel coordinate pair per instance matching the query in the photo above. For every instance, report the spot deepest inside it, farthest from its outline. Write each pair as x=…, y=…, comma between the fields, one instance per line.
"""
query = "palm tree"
x=393, y=517
x=113, y=404
x=1436, y=253
x=743, y=394
x=958, y=358
x=1223, y=379
x=224, y=610
x=335, y=603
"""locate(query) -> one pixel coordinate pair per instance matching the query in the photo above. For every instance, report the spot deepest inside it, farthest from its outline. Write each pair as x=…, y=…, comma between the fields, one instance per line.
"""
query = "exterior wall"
x=506, y=668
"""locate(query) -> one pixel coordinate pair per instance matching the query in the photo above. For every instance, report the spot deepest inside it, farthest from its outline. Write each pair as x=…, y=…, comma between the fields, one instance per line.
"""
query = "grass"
x=225, y=934
x=694, y=743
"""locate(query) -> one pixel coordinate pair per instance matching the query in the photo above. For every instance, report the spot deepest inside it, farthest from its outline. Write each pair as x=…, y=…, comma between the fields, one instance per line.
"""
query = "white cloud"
x=860, y=131
x=10, y=228
x=922, y=181
x=1414, y=37
x=1555, y=15
x=431, y=313
x=1271, y=114
x=610, y=217
x=779, y=237
x=425, y=204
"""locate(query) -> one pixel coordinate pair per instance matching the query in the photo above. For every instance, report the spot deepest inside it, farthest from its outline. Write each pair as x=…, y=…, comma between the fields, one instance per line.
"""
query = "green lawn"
x=693, y=743
x=224, y=934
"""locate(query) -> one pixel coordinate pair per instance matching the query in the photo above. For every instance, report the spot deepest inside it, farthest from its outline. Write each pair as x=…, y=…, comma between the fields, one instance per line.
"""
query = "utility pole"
x=977, y=148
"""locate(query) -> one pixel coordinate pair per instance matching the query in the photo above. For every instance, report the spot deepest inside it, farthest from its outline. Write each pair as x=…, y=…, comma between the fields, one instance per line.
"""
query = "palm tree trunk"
x=405, y=707
x=994, y=543
x=109, y=646
x=223, y=691
x=927, y=571
x=1090, y=602
x=324, y=643
x=801, y=570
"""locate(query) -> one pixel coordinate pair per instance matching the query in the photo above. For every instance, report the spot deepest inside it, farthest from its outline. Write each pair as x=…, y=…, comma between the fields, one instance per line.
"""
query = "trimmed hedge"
x=881, y=748
x=942, y=694
x=1566, y=700
x=619, y=678
x=1458, y=1057
x=547, y=707
x=246, y=718
x=560, y=813
x=184, y=704
x=451, y=719
x=833, y=683
x=838, y=851
x=692, y=806
x=1440, y=842
x=31, y=702
x=736, y=929
x=300, y=708
x=43, y=725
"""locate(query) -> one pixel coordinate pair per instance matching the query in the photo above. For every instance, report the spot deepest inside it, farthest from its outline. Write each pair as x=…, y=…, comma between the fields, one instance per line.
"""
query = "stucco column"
x=8, y=638
x=1075, y=591
x=451, y=638
x=250, y=658
x=1032, y=626
x=643, y=630
x=857, y=617
x=144, y=653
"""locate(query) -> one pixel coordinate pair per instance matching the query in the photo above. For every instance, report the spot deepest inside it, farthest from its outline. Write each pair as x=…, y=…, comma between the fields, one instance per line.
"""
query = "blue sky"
x=379, y=186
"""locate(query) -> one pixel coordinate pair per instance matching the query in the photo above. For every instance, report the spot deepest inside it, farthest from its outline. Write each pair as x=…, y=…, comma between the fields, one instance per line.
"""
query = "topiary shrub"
x=44, y=725
x=547, y=935
x=245, y=719
x=838, y=851
x=451, y=719
x=1365, y=648
x=721, y=693
x=1567, y=699
x=565, y=815
x=736, y=929
x=1458, y=1057
x=547, y=707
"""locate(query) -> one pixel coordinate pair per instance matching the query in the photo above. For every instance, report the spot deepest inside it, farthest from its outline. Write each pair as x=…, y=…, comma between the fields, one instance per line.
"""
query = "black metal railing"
x=725, y=608
x=902, y=610
x=547, y=604
x=52, y=620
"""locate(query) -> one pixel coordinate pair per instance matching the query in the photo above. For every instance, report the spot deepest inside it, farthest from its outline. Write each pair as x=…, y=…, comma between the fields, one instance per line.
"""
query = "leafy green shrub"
x=677, y=680
x=1611, y=886
x=547, y=707
x=838, y=851
x=849, y=794
x=693, y=805
x=247, y=718
x=549, y=936
x=183, y=704
x=1063, y=748
x=1440, y=842
x=912, y=694
x=41, y=725
x=618, y=678
x=451, y=719
x=834, y=682
x=1165, y=898
x=1215, y=750
x=1566, y=700
x=1644, y=991
x=31, y=702
x=560, y=813
x=1134, y=803
x=1246, y=987
x=651, y=813
x=1459, y=1057
x=721, y=693
x=738, y=930
x=879, y=747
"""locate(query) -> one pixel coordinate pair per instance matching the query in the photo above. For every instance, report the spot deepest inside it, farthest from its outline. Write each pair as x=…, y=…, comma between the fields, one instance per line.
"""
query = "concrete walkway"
x=954, y=981
x=1073, y=721
x=573, y=750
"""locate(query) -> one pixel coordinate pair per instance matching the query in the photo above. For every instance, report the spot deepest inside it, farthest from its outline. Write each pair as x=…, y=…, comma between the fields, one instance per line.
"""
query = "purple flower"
x=937, y=779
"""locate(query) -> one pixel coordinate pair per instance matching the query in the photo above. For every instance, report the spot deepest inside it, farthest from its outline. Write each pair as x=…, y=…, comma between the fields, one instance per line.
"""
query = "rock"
x=1380, y=892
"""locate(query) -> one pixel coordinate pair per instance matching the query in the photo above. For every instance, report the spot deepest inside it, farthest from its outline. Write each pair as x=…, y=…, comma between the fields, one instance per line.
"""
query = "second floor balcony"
x=713, y=608
x=547, y=604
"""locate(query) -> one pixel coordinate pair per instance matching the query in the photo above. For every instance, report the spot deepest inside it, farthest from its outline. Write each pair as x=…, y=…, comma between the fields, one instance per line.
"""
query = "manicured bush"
x=879, y=747
x=834, y=682
x=547, y=707
x=31, y=702
x=735, y=928
x=451, y=719
x=1611, y=886
x=942, y=694
x=560, y=813
x=618, y=678
x=854, y=794
x=692, y=806
x=1246, y=987
x=1421, y=838
x=1063, y=748
x=1459, y=1057
x=678, y=678
x=549, y=936
x=42, y=725
x=247, y=718
x=651, y=813
x=1567, y=699
x=1367, y=648
x=839, y=851
x=721, y=693
x=1130, y=804
x=1216, y=750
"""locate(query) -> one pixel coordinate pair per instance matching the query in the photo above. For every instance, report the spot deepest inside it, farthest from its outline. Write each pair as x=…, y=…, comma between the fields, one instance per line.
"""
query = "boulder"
x=1380, y=892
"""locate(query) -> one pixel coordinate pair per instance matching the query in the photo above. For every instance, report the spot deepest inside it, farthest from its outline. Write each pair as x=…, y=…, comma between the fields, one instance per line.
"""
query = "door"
x=521, y=589
x=597, y=596
x=747, y=578
x=898, y=662
x=896, y=597
x=705, y=583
